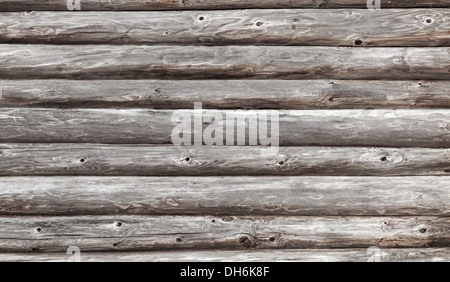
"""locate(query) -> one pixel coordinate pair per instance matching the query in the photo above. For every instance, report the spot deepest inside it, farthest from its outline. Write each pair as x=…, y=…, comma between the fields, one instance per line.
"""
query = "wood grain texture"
x=387, y=27
x=143, y=5
x=388, y=128
x=137, y=160
x=126, y=200
x=226, y=94
x=305, y=196
x=288, y=62
x=106, y=233
x=287, y=255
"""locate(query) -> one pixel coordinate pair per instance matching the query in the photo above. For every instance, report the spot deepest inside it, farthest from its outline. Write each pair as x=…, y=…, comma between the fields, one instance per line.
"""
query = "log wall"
x=87, y=96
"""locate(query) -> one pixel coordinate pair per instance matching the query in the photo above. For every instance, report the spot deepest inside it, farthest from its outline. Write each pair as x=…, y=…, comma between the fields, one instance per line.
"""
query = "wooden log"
x=143, y=5
x=363, y=27
x=136, y=160
x=287, y=255
x=288, y=62
x=258, y=196
x=388, y=128
x=226, y=94
x=107, y=233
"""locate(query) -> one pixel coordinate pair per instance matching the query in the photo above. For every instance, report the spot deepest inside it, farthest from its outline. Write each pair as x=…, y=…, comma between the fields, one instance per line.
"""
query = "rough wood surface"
x=389, y=128
x=102, y=233
x=144, y=160
x=144, y=5
x=387, y=27
x=306, y=196
x=287, y=255
x=289, y=62
x=226, y=94
x=135, y=193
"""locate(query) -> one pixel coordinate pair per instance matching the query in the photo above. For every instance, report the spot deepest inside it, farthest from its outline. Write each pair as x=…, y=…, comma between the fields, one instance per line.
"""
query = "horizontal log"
x=259, y=196
x=226, y=94
x=137, y=160
x=387, y=27
x=207, y=62
x=106, y=233
x=287, y=255
x=388, y=128
x=142, y=5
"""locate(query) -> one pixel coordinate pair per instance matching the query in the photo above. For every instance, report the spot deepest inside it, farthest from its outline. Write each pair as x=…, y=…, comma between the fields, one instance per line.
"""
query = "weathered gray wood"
x=287, y=255
x=363, y=27
x=308, y=196
x=289, y=62
x=137, y=160
x=101, y=233
x=143, y=5
x=389, y=128
x=226, y=94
